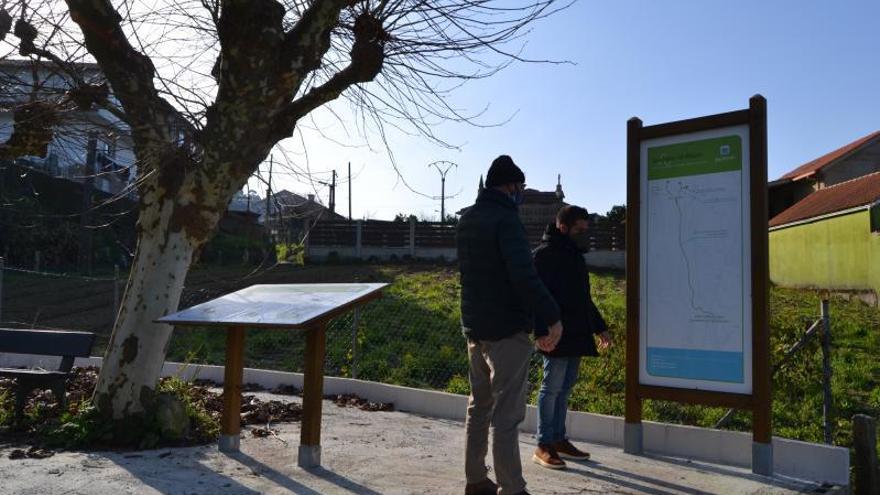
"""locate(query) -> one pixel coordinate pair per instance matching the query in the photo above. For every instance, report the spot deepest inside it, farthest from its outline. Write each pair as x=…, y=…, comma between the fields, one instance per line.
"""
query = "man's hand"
x=548, y=342
x=604, y=340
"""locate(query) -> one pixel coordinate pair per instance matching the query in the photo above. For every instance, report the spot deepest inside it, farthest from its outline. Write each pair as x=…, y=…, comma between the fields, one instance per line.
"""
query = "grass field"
x=412, y=337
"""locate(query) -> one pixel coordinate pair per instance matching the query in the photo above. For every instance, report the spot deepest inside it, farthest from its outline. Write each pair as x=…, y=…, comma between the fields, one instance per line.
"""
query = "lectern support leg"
x=230, y=427
x=313, y=394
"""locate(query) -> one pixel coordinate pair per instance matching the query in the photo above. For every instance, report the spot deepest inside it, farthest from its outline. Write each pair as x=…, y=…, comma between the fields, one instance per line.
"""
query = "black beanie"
x=504, y=171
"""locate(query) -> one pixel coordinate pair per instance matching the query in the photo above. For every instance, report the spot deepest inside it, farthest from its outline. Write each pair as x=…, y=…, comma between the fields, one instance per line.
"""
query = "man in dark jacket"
x=501, y=294
x=560, y=263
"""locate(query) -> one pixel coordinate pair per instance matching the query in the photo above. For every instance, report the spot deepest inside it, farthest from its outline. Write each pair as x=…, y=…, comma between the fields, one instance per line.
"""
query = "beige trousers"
x=498, y=375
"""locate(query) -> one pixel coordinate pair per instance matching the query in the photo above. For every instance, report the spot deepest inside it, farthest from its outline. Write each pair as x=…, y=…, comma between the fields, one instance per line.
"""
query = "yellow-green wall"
x=833, y=253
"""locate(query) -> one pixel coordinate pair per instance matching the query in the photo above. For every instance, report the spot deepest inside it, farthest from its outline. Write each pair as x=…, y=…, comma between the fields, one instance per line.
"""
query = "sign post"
x=697, y=269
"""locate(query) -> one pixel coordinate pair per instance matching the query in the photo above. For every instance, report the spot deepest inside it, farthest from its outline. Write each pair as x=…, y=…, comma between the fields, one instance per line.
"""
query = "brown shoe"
x=568, y=451
x=485, y=487
x=545, y=455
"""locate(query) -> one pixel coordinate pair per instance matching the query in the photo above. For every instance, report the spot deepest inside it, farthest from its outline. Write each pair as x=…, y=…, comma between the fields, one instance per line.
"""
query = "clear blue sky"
x=816, y=62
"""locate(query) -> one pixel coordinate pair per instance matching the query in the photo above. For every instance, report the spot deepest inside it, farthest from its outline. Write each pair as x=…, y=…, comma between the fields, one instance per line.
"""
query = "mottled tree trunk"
x=179, y=213
x=131, y=369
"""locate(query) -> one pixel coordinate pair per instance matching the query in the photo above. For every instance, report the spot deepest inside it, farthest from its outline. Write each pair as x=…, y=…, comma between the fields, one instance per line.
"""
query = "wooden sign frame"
x=759, y=401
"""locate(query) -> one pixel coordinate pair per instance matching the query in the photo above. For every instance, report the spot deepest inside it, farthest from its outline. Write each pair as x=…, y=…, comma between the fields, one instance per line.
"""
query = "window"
x=875, y=218
x=108, y=146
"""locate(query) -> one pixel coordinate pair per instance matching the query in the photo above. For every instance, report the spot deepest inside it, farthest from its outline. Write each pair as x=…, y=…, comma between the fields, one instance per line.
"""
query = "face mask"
x=582, y=241
x=516, y=197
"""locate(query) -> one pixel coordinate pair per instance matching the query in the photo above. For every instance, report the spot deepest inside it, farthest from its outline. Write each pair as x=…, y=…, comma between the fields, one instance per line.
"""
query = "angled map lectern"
x=306, y=307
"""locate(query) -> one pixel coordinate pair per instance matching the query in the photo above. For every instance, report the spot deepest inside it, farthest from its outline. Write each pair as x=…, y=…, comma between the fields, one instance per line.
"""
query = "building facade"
x=829, y=236
x=537, y=209
x=74, y=128
x=856, y=159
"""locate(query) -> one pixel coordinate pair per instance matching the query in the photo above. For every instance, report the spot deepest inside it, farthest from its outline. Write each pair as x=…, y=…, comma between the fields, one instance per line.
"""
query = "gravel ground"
x=364, y=453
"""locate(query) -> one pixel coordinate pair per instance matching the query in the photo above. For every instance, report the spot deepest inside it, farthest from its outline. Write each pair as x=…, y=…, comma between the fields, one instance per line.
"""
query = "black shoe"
x=485, y=487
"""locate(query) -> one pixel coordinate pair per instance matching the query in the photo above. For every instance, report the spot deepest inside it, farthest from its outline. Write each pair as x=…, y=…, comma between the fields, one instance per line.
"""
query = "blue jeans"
x=560, y=374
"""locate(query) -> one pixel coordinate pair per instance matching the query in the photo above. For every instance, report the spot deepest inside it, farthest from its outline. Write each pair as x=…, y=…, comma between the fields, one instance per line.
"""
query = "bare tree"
x=208, y=87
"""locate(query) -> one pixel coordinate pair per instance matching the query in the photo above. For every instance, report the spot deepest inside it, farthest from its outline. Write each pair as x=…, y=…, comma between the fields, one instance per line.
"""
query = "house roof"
x=823, y=161
x=533, y=197
x=26, y=62
x=850, y=194
x=295, y=205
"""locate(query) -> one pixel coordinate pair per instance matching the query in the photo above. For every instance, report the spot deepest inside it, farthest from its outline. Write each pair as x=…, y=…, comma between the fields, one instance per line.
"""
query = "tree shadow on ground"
x=658, y=486
x=175, y=472
x=777, y=480
x=296, y=487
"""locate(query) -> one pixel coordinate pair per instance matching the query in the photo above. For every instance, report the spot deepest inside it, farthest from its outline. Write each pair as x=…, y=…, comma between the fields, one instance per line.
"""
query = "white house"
x=22, y=81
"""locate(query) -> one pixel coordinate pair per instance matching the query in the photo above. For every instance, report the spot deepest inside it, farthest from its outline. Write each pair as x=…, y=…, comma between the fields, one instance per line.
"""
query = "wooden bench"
x=67, y=344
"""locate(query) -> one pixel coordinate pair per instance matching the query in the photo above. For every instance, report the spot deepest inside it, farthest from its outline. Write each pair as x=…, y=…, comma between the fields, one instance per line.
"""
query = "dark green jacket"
x=501, y=292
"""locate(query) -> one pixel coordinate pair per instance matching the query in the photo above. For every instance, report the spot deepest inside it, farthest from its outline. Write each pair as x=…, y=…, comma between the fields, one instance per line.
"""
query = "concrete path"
x=364, y=453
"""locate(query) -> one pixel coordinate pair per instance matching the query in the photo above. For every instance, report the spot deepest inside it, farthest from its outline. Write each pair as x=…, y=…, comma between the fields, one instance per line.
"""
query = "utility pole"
x=88, y=184
x=333, y=193
x=349, y=191
x=443, y=167
x=247, y=190
x=332, y=197
x=268, y=220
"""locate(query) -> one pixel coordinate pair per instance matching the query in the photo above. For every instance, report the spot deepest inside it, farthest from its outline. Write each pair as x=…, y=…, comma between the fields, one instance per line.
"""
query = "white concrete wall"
x=791, y=458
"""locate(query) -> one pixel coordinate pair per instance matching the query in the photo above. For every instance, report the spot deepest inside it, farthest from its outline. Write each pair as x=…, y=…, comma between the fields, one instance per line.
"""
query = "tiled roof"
x=850, y=194
x=812, y=167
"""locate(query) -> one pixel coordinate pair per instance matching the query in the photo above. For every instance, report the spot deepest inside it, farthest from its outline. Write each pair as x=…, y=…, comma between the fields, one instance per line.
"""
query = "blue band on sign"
x=693, y=364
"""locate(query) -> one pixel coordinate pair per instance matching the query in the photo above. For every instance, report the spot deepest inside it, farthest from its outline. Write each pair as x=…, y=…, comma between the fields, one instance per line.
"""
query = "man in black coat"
x=501, y=295
x=560, y=263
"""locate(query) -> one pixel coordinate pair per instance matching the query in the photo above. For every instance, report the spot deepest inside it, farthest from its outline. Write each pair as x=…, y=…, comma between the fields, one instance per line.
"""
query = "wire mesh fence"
x=391, y=340
x=55, y=300
x=411, y=336
x=385, y=341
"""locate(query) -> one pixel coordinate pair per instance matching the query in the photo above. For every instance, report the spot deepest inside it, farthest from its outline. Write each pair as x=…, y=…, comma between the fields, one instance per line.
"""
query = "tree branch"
x=367, y=56
x=129, y=72
x=309, y=40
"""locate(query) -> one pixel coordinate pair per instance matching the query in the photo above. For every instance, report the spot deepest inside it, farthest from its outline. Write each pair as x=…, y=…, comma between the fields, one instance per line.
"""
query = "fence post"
x=867, y=477
x=355, y=322
x=2, y=267
x=115, y=292
x=358, y=237
x=412, y=237
x=36, y=261
x=827, y=419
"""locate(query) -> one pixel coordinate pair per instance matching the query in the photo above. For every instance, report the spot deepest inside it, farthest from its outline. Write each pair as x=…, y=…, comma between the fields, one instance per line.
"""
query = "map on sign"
x=273, y=305
x=695, y=280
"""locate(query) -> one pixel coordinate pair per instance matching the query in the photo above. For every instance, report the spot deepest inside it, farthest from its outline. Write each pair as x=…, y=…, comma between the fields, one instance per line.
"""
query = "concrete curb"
x=792, y=458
